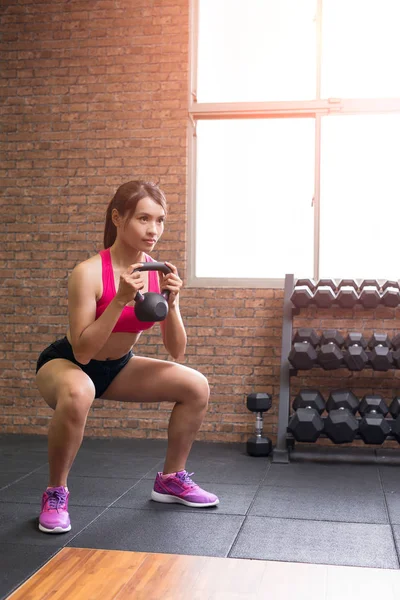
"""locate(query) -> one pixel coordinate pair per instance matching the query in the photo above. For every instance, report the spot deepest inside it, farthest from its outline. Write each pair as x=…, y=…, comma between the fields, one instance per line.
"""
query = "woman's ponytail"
x=110, y=231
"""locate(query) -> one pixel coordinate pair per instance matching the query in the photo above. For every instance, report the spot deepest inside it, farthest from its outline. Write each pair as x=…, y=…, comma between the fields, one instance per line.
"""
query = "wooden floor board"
x=86, y=574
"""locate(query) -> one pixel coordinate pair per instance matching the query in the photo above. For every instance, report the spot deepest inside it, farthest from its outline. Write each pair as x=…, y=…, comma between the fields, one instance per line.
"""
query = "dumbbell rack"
x=285, y=441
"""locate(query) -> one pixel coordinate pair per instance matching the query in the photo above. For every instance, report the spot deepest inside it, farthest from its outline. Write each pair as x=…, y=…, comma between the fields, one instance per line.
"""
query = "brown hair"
x=125, y=201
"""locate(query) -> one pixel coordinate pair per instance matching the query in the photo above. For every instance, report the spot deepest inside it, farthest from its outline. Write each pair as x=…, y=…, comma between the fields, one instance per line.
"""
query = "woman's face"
x=144, y=228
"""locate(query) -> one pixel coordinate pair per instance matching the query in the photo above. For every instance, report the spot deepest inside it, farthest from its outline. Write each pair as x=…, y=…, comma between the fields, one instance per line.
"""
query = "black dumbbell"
x=394, y=410
x=373, y=427
x=341, y=425
x=325, y=293
x=303, y=293
x=369, y=293
x=394, y=407
x=309, y=398
x=395, y=428
x=342, y=399
x=306, y=423
x=347, y=295
x=259, y=445
x=303, y=354
x=308, y=335
x=396, y=352
x=390, y=293
x=380, y=357
x=329, y=354
x=355, y=358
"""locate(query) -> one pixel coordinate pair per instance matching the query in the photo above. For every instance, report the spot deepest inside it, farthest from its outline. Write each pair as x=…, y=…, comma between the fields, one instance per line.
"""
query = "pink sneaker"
x=181, y=489
x=54, y=517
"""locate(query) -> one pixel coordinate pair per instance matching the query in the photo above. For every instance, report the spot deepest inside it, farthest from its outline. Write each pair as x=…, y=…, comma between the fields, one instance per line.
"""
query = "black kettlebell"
x=152, y=306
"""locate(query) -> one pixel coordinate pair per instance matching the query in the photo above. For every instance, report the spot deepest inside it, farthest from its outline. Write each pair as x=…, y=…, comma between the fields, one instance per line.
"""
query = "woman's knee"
x=196, y=389
x=74, y=401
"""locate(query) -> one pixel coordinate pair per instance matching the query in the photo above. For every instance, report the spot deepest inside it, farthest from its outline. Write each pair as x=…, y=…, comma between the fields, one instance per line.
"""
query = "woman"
x=95, y=359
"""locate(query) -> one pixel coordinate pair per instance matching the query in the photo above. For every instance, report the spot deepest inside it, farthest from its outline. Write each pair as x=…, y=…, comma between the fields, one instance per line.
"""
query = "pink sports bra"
x=127, y=322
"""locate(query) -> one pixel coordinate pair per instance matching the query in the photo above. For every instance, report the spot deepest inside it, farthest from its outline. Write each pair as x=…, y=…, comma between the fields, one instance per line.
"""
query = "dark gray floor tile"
x=35, y=443
x=18, y=562
x=19, y=524
x=85, y=491
x=158, y=448
x=328, y=476
x=161, y=531
x=317, y=542
x=10, y=453
x=393, y=503
x=234, y=499
x=20, y=442
x=111, y=465
x=89, y=491
x=131, y=447
x=390, y=477
x=244, y=471
x=320, y=505
x=7, y=478
x=215, y=450
x=12, y=461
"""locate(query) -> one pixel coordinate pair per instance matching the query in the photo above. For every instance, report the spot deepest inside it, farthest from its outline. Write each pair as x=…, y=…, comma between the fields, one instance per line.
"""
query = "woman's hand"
x=171, y=282
x=130, y=283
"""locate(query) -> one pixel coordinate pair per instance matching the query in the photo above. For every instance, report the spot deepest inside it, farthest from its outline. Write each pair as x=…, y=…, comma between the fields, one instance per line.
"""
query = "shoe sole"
x=55, y=530
x=167, y=499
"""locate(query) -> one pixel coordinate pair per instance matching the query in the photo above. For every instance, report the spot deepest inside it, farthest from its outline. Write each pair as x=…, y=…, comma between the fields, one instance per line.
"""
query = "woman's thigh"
x=60, y=379
x=151, y=380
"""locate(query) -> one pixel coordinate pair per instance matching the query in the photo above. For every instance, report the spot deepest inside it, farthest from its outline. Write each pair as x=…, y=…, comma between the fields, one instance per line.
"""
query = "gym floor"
x=308, y=512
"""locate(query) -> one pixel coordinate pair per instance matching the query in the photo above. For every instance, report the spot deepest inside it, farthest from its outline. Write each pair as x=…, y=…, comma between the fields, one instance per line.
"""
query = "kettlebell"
x=152, y=306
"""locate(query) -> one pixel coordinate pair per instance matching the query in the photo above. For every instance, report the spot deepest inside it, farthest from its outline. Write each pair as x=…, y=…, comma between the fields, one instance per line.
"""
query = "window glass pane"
x=256, y=50
x=255, y=182
x=360, y=196
x=360, y=48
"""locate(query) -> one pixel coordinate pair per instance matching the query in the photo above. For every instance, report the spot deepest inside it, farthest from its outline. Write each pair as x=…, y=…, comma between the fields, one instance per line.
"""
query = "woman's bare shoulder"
x=87, y=269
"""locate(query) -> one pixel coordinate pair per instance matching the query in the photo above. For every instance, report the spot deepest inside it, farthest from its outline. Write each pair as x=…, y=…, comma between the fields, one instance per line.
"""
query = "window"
x=256, y=50
x=360, y=196
x=240, y=216
x=294, y=140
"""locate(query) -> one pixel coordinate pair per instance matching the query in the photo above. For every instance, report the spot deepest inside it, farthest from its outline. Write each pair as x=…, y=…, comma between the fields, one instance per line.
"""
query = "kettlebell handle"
x=154, y=266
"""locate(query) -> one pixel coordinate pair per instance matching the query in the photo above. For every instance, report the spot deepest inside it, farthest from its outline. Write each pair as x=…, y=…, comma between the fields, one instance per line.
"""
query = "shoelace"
x=56, y=499
x=184, y=476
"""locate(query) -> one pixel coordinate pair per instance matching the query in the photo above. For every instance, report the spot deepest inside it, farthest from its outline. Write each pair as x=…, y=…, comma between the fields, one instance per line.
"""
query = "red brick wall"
x=94, y=94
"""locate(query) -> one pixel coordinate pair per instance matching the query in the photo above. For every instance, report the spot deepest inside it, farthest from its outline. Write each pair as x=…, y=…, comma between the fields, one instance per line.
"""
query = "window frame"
x=316, y=109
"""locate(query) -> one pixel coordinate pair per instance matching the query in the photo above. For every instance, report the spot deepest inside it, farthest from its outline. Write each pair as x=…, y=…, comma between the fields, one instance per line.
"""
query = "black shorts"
x=101, y=372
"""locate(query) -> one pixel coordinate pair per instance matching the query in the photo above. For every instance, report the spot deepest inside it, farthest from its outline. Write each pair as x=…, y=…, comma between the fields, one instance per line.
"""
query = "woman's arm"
x=173, y=332
x=173, y=329
x=88, y=334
